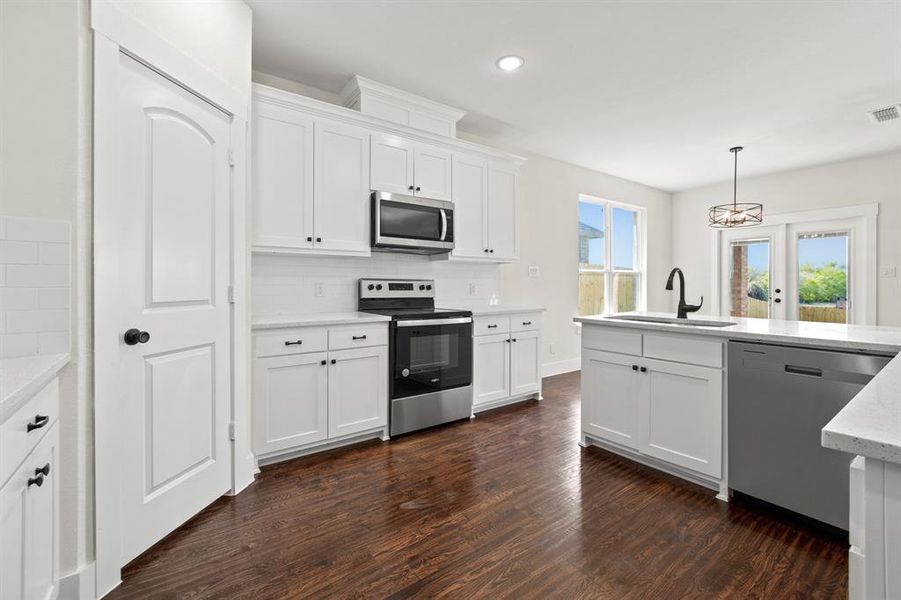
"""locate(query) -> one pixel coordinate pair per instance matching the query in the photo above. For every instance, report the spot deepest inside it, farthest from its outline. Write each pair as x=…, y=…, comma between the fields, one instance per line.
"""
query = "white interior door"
x=752, y=277
x=169, y=231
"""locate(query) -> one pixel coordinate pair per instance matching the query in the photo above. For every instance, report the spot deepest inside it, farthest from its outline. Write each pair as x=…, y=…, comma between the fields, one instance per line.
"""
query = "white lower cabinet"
x=506, y=365
x=669, y=411
x=305, y=399
x=357, y=390
x=29, y=522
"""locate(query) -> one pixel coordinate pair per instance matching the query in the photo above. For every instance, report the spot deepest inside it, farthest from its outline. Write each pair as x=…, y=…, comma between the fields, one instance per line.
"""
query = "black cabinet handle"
x=486, y=249
x=358, y=337
x=644, y=369
x=310, y=238
x=491, y=251
x=297, y=343
x=334, y=361
x=777, y=300
x=492, y=326
x=410, y=188
x=507, y=340
x=514, y=339
x=45, y=470
x=39, y=421
x=136, y=336
x=418, y=188
x=323, y=362
x=38, y=481
x=778, y=291
x=634, y=367
x=526, y=322
x=319, y=239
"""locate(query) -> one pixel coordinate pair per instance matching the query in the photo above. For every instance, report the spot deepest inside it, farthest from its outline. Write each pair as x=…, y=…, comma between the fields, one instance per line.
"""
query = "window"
x=610, y=266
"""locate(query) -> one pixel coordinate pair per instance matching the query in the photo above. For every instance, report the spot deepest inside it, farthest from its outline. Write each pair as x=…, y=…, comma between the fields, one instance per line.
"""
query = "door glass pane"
x=749, y=279
x=591, y=236
x=624, y=223
x=823, y=277
x=591, y=293
x=625, y=292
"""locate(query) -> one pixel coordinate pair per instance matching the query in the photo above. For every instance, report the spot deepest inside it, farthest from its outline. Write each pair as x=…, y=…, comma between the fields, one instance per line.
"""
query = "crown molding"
x=358, y=86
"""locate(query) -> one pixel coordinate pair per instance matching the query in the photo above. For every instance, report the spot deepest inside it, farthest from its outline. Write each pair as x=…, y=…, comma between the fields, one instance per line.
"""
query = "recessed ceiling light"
x=510, y=62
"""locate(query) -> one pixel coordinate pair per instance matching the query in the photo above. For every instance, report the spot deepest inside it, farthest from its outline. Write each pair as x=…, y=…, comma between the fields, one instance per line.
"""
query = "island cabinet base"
x=656, y=398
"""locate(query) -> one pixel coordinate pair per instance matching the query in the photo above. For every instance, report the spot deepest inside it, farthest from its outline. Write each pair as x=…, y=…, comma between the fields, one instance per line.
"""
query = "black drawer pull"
x=297, y=343
x=514, y=339
x=358, y=337
x=644, y=369
x=45, y=470
x=39, y=421
x=334, y=361
x=809, y=371
x=38, y=481
x=526, y=322
x=323, y=362
x=492, y=326
x=634, y=367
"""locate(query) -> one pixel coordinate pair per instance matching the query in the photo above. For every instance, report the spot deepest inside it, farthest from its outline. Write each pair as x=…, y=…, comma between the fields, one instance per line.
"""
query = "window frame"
x=639, y=250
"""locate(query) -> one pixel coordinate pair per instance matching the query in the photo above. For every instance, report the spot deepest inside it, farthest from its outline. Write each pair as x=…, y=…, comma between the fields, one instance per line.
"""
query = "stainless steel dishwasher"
x=780, y=397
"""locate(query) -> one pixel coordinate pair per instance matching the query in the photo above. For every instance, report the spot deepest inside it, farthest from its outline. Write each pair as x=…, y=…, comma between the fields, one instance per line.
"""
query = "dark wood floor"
x=507, y=505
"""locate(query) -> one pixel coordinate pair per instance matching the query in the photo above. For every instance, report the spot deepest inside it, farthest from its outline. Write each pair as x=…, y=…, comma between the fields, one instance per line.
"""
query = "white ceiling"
x=655, y=92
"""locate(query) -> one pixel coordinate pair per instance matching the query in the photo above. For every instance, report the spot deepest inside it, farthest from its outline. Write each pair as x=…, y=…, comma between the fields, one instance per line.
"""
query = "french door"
x=801, y=270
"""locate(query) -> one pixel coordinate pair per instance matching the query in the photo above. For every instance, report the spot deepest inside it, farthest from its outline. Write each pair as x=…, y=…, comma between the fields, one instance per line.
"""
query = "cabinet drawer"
x=285, y=342
x=16, y=441
x=684, y=349
x=490, y=325
x=357, y=336
x=525, y=322
x=611, y=339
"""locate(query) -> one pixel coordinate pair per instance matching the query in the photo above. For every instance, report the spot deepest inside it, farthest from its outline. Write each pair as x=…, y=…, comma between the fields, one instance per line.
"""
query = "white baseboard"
x=78, y=585
x=561, y=366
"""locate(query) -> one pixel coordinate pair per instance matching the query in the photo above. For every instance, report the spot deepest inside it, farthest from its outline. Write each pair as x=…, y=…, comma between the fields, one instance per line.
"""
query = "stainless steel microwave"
x=402, y=223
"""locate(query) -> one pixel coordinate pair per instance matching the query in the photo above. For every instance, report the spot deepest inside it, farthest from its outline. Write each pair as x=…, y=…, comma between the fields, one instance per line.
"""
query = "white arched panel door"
x=163, y=267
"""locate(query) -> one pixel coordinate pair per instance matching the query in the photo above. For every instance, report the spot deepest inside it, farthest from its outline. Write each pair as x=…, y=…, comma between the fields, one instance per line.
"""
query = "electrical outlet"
x=533, y=271
x=319, y=289
x=887, y=272
x=472, y=289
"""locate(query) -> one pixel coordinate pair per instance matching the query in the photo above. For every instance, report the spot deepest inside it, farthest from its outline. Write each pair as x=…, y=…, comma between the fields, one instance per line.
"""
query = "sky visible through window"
x=814, y=251
x=591, y=229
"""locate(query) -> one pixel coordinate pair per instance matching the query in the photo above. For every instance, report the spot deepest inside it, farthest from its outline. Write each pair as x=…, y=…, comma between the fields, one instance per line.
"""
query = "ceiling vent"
x=889, y=113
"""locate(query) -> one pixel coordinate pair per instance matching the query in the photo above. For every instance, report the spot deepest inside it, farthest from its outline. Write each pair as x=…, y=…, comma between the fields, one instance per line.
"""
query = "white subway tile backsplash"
x=18, y=253
x=36, y=230
x=34, y=286
x=53, y=254
x=37, y=275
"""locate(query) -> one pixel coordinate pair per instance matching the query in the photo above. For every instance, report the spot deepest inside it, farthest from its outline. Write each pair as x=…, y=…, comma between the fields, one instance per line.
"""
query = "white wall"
x=875, y=179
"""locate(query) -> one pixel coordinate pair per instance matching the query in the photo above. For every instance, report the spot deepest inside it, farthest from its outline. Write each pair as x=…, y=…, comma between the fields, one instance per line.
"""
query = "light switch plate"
x=533, y=271
x=887, y=272
x=319, y=289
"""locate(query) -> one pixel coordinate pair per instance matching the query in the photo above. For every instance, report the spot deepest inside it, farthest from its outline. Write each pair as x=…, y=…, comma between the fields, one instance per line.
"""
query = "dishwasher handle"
x=808, y=371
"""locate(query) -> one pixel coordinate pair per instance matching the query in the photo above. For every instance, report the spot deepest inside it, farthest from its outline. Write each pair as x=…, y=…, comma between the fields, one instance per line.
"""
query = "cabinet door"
x=391, y=168
x=341, y=189
x=42, y=515
x=525, y=371
x=13, y=499
x=357, y=390
x=684, y=415
x=610, y=397
x=491, y=368
x=470, y=207
x=282, y=179
x=432, y=173
x=290, y=401
x=502, y=218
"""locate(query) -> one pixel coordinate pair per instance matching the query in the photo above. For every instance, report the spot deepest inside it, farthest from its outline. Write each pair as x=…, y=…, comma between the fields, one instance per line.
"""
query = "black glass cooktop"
x=398, y=314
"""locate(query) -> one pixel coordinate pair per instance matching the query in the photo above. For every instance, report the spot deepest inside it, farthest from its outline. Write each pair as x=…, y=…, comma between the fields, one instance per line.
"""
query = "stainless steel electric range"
x=430, y=353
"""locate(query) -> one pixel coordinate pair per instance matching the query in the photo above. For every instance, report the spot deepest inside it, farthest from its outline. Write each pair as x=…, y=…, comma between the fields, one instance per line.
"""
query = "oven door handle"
x=443, y=225
x=423, y=322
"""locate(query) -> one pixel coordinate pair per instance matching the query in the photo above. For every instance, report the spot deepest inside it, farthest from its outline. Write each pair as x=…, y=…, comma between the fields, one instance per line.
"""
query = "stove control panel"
x=397, y=288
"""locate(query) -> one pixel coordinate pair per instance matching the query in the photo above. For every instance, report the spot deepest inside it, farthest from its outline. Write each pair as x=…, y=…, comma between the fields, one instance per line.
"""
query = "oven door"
x=400, y=221
x=430, y=355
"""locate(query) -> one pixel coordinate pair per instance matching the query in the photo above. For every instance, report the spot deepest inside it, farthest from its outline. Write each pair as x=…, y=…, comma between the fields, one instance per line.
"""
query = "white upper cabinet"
x=341, y=187
x=503, y=182
x=432, y=173
x=282, y=177
x=470, y=206
x=404, y=167
x=391, y=167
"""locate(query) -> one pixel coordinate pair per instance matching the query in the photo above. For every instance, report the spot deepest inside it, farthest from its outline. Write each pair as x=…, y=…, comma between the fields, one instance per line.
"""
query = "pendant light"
x=737, y=214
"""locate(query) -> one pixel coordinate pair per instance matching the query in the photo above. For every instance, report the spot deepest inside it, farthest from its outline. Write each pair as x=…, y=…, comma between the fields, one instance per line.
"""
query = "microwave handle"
x=443, y=224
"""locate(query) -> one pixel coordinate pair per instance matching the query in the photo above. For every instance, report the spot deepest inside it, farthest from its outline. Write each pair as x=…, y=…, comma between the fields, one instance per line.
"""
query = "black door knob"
x=778, y=291
x=777, y=300
x=136, y=336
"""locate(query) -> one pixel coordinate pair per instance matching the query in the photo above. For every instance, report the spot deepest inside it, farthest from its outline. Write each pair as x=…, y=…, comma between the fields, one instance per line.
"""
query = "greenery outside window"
x=611, y=257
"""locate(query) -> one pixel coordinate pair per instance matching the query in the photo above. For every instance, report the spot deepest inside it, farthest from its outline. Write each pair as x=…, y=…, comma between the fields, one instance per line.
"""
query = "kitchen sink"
x=671, y=321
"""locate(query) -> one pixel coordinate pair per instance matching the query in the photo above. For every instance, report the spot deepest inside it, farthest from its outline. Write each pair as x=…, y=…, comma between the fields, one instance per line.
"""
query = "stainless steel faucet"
x=684, y=308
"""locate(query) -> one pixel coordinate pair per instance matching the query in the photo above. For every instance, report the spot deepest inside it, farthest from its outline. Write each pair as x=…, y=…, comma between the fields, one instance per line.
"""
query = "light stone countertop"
x=870, y=424
x=315, y=319
x=21, y=378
